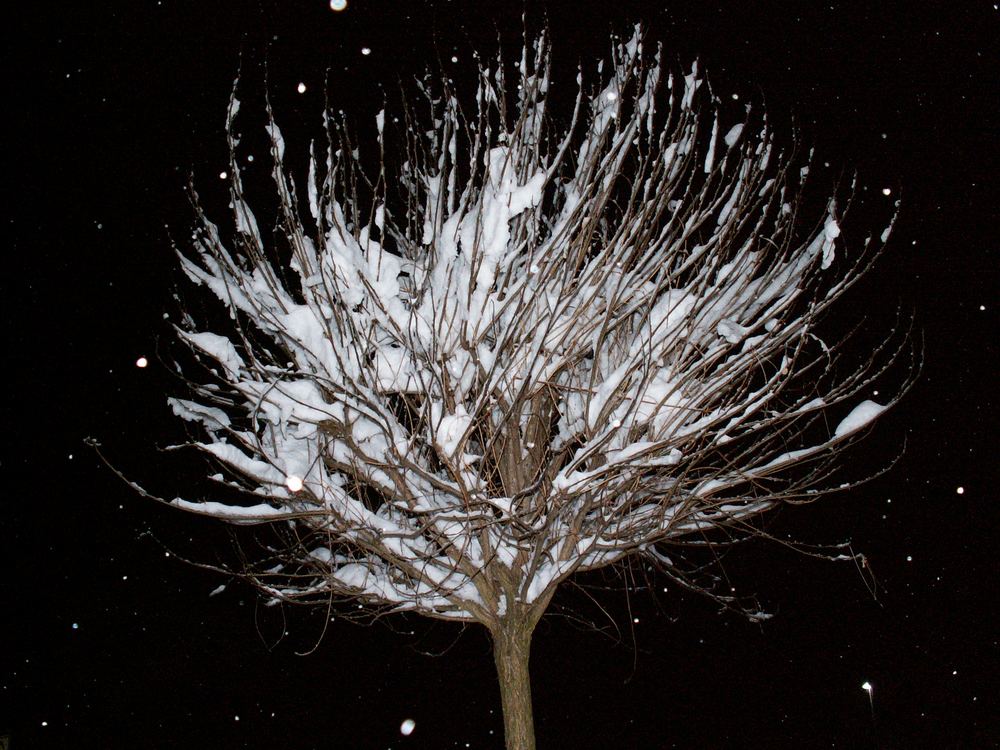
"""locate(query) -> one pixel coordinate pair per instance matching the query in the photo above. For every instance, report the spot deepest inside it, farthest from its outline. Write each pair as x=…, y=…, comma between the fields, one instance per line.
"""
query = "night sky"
x=109, y=641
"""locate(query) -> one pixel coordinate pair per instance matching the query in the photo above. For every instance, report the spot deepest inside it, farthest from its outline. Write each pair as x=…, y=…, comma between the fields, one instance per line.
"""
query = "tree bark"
x=511, y=648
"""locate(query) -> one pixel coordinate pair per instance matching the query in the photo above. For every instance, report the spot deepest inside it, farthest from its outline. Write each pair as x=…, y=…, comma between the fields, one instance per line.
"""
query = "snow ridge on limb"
x=547, y=347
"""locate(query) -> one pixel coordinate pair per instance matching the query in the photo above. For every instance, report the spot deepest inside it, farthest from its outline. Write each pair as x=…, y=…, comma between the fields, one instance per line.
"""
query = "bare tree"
x=523, y=347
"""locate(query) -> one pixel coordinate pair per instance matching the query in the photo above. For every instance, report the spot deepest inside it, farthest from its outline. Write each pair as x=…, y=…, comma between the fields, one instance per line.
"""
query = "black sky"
x=109, y=643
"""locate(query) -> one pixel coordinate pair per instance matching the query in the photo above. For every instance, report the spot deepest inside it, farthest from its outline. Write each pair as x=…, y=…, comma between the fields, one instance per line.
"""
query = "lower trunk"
x=511, y=646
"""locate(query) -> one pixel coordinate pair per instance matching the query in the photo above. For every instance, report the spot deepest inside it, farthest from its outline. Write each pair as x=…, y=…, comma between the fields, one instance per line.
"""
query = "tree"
x=523, y=347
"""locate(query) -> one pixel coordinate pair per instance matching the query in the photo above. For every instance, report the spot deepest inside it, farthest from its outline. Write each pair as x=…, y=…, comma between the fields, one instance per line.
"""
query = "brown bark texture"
x=511, y=649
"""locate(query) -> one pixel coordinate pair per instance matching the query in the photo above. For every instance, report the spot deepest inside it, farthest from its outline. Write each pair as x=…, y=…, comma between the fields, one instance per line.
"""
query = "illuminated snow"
x=860, y=416
x=397, y=346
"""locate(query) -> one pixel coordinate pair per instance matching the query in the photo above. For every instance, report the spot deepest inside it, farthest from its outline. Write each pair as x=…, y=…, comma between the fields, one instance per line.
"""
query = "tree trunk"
x=511, y=647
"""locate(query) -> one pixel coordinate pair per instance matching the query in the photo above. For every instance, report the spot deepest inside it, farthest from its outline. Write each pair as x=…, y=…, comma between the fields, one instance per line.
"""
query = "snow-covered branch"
x=526, y=345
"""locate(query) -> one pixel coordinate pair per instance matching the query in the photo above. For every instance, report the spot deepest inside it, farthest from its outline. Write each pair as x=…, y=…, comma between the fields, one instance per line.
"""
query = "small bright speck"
x=76, y=626
x=612, y=96
x=982, y=307
x=406, y=728
x=886, y=191
x=237, y=718
x=338, y=5
x=223, y=175
x=736, y=96
x=293, y=482
x=45, y=723
x=301, y=88
x=954, y=671
x=366, y=50
x=866, y=686
x=909, y=558
x=454, y=59
x=960, y=490
x=635, y=620
x=141, y=362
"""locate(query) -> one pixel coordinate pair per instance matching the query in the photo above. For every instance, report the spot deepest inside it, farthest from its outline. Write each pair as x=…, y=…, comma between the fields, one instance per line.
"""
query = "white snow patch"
x=221, y=510
x=860, y=416
x=831, y=231
x=733, y=135
x=450, y=430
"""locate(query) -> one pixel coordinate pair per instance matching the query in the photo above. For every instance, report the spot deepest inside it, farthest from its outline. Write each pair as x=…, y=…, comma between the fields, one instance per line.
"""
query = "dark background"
x=109, y=643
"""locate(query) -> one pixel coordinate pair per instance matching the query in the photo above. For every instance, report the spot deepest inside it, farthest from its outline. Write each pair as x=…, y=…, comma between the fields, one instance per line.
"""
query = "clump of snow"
x=237, y=512
x=860, y=415
x=450, y=430
x=218, y=347
x=734, y=135
x=731, y=331
x=831, y=231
